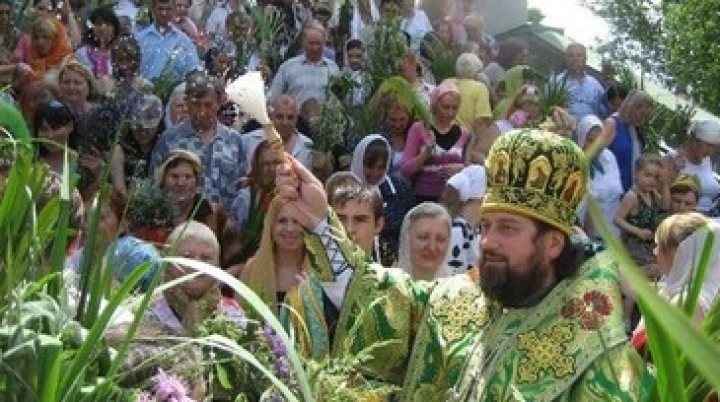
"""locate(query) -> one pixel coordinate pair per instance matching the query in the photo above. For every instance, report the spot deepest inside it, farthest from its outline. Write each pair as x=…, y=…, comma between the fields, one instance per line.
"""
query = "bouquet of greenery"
x=151, y=211
x=385, y=50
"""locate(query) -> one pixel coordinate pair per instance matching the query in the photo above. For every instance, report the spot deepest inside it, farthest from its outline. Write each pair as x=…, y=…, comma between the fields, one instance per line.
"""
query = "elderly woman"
x=434, y=153
x=474, y=114
x=694, y=158
x=48, y=47
x=176, y=109
x=620, y=132
x=183, y=307
x=681, y=241
x=280, y=274
x=424, y=241
x=180, y=175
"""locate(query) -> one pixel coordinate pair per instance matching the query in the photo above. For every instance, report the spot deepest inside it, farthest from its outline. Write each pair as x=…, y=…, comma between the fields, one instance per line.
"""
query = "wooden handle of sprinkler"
x=273, y=138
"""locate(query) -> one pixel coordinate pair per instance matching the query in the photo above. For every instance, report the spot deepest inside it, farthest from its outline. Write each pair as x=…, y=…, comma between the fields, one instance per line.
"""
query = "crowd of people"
x=500, y=283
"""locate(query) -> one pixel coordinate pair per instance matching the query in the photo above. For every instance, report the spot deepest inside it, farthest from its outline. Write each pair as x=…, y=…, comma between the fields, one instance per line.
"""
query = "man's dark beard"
x=509, y=288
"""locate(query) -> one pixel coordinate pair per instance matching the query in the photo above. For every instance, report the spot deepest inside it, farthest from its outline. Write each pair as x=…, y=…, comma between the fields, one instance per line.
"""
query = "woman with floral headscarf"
x=435, y=152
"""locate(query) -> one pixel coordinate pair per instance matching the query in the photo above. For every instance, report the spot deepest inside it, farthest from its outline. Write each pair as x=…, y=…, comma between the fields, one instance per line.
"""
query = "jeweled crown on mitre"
x=538, y=174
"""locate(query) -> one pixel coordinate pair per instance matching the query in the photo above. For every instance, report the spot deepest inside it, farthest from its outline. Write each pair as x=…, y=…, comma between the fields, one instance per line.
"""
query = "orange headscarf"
x=59, y=50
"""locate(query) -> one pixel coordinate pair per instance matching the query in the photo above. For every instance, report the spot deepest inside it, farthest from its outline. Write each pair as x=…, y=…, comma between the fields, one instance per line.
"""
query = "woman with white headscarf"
x=695, y=158
x=681, y=240
x=371, y=164
x=424, y=240
x=605, y=185
x=175, y=109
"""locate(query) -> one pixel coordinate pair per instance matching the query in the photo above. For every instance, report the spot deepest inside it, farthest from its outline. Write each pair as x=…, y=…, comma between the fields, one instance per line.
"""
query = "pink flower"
x=170, y=388
x=518, y=119
x=145, y=397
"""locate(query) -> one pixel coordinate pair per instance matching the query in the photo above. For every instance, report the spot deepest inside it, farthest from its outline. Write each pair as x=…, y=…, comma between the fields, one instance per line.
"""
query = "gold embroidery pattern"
x=537, y=173
x=545, y=351
x=456, y=314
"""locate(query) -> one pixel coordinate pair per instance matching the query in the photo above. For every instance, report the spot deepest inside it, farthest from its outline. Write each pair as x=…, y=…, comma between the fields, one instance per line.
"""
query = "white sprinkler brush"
x=248, y=92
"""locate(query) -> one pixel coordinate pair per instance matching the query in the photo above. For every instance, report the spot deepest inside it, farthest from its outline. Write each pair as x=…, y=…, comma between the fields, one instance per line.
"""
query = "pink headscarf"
x=442, y=90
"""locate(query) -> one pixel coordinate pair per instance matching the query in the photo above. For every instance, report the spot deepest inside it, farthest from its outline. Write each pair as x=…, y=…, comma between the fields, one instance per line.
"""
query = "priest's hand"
x=302, y=192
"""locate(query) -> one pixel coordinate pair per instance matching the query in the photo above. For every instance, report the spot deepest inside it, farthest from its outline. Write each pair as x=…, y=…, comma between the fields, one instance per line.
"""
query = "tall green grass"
x=685, y=356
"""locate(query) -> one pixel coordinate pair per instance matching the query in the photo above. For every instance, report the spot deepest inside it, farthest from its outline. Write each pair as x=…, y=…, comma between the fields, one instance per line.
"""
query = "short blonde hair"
x=676, y=228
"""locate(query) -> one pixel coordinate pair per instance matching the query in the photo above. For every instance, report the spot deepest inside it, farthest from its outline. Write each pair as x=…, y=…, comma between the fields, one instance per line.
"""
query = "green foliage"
x=555, y=93
x=686, y=360
x=385, y=50
x=638, y=32
x=674, y=41
x=668, y=125
x=149, y=205
x=442, y=61
x=47, y=355
x=693, y=51
x=268, y=28
x=233, y=376
x=331, y=123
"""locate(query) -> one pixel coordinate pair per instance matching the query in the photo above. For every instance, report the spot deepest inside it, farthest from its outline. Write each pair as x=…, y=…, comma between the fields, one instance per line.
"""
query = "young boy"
x=684, y=194
x=360, y=209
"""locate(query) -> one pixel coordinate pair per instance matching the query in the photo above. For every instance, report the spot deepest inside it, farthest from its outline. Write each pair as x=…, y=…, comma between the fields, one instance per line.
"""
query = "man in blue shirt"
x=219, y=148
x=587, y=95
x=164, y=47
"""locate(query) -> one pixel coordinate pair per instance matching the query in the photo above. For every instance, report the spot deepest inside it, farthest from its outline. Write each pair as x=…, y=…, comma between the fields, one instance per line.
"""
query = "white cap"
x=705, y=130
x=470, y=182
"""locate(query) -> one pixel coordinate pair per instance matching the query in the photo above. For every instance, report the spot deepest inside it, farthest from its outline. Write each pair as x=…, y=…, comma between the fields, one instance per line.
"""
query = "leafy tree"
x=693, y=49
x=673, y=41
x=638, y=32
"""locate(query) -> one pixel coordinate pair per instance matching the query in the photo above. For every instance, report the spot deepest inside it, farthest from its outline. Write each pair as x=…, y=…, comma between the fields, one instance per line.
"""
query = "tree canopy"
x=674, y=41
